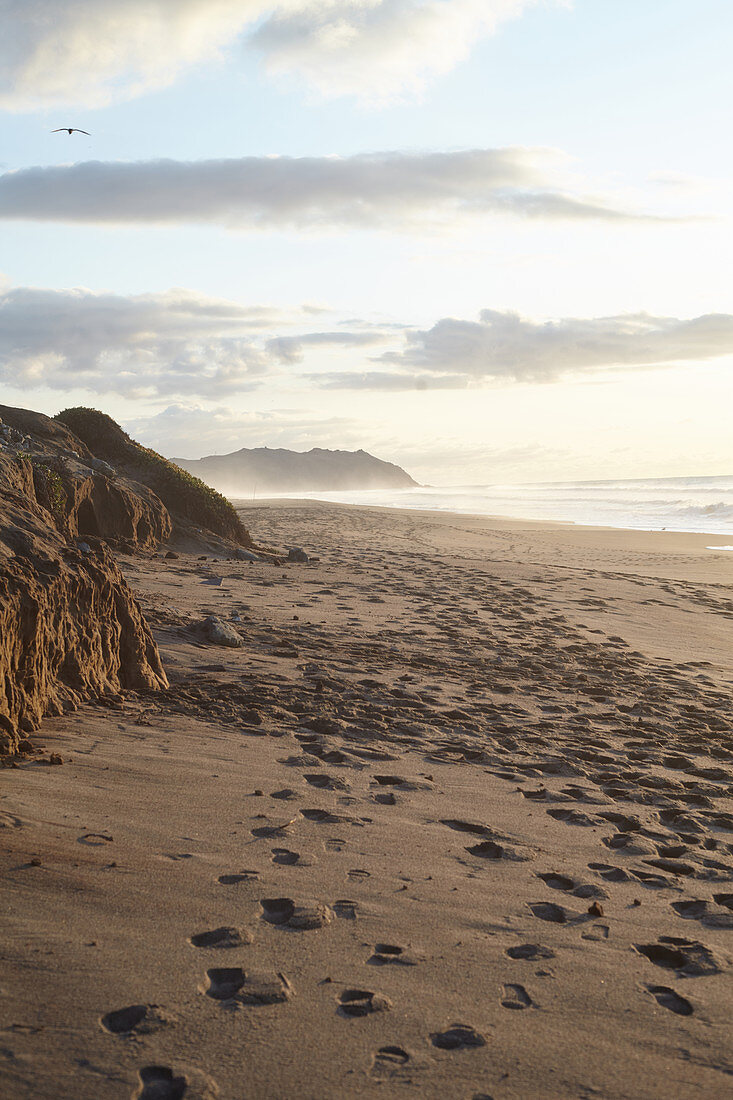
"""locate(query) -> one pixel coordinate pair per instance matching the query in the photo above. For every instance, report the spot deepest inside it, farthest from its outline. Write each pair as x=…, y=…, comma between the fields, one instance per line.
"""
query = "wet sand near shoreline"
x=455, y=820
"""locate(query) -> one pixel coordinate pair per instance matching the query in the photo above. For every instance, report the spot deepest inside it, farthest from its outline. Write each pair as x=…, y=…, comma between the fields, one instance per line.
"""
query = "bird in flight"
x=70, y=130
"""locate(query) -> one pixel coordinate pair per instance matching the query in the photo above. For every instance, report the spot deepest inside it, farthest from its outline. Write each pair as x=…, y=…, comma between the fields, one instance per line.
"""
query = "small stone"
x=25, y=745
x=595, y=910
x=35, y=862
x=54, y=758
x=296, y=553
x=170, y=554
x=220, y=633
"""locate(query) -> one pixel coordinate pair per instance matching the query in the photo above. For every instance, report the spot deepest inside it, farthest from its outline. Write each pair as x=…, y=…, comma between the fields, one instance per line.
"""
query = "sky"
x=489, y=240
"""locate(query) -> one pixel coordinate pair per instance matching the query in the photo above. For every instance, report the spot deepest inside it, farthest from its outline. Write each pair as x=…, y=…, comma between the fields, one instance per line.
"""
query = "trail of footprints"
x=598, y=736
x=236, y=986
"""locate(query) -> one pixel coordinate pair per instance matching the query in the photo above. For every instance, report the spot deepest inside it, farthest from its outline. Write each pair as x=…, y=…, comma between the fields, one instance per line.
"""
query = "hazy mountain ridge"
x=277, y=470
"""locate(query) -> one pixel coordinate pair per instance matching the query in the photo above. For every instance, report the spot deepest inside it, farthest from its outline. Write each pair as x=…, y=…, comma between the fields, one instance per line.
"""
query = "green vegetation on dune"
x=183, y=494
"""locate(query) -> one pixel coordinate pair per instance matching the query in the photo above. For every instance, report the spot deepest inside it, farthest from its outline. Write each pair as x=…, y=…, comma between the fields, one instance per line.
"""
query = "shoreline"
x=643, y=541
x=634, y=514
x=243, y=504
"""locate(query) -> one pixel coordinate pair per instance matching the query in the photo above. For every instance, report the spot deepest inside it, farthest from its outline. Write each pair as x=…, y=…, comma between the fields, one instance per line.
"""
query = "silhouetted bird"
x=70, y=130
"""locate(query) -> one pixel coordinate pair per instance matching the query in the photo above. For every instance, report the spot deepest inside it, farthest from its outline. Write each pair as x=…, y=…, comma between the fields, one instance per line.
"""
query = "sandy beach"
x=455, y=820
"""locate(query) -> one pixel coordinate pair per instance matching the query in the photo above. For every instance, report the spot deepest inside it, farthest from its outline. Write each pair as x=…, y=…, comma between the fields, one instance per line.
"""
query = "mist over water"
x=692, y=504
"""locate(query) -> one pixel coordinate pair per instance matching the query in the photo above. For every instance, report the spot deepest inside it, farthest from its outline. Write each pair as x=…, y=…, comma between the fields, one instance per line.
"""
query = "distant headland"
x=275, y=470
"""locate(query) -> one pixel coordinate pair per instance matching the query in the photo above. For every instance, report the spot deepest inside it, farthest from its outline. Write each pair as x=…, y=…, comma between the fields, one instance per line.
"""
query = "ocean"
x=694, y=504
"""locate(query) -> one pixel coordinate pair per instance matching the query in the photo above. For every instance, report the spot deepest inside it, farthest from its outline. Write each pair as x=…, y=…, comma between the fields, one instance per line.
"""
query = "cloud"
x=178, y=344
x=506, y=347
x=376, y=49
x=388, y=190
x=149, y=344
x=291, y=349
x=92, y=52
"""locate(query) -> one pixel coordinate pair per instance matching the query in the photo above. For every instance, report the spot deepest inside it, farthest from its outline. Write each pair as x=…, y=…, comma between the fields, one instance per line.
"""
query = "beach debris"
x=220, y=633
x=296, y=553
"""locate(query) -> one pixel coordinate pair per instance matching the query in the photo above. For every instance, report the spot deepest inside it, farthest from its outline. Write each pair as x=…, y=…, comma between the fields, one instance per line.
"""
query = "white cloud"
x=389, y=190
x=179, y=345
x=172, y=345
x=504, y=347
x=376, y=49
x=148, y=344
x=291, y=349
x=91, y=52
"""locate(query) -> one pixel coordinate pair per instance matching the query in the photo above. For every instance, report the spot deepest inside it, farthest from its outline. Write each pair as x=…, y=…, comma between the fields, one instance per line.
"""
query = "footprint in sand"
x=362, y=1002
x=264, y=831
x=530, y=951
x=702, y=911
x=322, y=817
x=326, y=782
x=557, y=882
x=467, y=827
x=251, y=988
x=589, y=890
x=689, y=958
x=135, y=1020
x=335, y=844
x=597, y=933
x=160, y=1083
x=610, y=873
x=652, y=881
x=222, y=938
x=345, y=909
x=672, y=866
x=386, y=954
x=402, y=782
x=285, y=857
x=237, y=877
x=555, y=914
x=388, y=1061
x=667, y=998
x=574, y=817
x=356, y=873
x=457, y=1037
x=283, y=912
x=515, y=996
x=489, y=849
